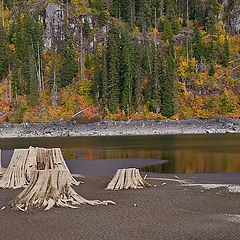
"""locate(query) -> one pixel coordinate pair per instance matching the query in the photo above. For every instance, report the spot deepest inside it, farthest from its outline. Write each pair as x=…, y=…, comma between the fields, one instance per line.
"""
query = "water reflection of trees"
x=180, y=161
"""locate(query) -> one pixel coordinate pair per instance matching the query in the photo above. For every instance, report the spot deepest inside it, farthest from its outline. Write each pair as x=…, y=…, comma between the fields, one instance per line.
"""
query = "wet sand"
x=170, y=211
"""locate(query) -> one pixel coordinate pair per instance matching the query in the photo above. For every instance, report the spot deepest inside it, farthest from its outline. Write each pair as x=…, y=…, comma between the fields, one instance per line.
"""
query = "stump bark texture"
x=127, y=179
x=25, y=161
x=49, y=188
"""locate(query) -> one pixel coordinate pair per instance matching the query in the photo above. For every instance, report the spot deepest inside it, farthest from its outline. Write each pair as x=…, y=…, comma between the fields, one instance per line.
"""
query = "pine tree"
x=226, y=53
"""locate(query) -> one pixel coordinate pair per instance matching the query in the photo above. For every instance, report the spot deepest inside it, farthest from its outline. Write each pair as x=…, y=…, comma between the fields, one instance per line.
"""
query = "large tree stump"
x=24, y=161
x=2, y=170
x=127, y=179
x=49, y=188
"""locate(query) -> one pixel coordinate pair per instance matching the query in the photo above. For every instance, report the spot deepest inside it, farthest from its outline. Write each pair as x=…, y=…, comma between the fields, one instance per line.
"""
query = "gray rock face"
x=54, y=23
x=234, y=18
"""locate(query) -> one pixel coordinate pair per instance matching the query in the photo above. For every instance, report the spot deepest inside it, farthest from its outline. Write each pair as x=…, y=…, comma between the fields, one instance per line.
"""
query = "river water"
x=217, y=153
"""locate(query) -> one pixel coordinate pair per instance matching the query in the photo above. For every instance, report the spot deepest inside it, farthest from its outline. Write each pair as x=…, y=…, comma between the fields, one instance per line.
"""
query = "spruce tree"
x=226, y=53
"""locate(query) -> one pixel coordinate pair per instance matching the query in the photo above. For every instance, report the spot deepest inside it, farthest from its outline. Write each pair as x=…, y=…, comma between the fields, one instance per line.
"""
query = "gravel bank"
x=120, y=128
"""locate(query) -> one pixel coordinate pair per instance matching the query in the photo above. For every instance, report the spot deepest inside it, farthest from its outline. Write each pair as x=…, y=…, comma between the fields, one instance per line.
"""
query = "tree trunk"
x=49, y=188
x=24, y=161
x=3, y=17
x=54, y=95
x=127, y=179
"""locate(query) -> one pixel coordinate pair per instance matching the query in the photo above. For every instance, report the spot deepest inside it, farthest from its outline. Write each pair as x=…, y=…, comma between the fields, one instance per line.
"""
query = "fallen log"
x=49, y=188
x=24, y=161
x=127, y=179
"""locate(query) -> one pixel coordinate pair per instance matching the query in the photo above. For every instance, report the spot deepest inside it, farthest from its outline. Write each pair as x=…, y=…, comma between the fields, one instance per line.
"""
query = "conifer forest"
x=119, y=59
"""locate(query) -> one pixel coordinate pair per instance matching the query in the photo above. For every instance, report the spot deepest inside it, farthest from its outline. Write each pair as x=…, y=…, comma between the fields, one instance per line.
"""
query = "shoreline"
x=121, y=128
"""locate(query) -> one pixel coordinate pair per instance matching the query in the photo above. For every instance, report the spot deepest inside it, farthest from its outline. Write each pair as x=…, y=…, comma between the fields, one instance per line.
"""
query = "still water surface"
x=185, y=154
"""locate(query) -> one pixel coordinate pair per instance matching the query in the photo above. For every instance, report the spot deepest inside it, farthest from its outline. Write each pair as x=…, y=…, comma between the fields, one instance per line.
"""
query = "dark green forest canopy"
x=160, y=56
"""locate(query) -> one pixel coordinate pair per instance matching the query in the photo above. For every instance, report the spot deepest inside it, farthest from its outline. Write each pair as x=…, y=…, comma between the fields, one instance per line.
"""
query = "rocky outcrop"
x=234, y=17
x=54, y=24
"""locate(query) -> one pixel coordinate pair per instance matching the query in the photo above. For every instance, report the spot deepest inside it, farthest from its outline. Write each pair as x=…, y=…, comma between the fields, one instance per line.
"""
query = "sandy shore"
x=170, y=211
x=120, y=128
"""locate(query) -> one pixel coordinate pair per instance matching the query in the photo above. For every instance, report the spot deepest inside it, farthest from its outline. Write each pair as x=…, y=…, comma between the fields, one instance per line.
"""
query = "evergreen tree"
x=167, y=30
x=104, y=76
x=33, y=80
x=138, y=76
x=156, y=75
x=197, y=44
x=16, y=77
x=143, y=13
x=28, y=33
x=212, y=69
x=97, y=79
x=126, y=70
x=226, y=53
x=212, y=58
x=113, y=91
x=169, y=85
x=3, y=52
x=69, y=67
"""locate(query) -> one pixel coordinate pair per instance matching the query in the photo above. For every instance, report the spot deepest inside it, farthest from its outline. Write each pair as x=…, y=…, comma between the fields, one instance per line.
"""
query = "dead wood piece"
x=14, y=175
x=49, y=188
x=127, y=179
x=24, y=161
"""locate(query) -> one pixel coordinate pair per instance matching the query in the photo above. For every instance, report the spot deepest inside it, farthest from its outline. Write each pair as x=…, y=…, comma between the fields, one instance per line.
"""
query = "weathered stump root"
x=49, y=188
x=127, y=179
x=24, y=161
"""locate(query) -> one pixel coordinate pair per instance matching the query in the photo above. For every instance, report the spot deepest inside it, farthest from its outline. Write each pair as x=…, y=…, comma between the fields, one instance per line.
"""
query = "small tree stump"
x=127, y=179
x=49, y=188
x=24, y=161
